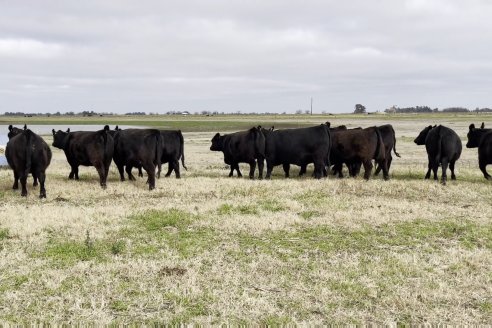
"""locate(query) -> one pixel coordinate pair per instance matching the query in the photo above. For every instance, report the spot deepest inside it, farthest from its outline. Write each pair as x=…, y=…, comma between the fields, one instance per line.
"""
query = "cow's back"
x=297, y=146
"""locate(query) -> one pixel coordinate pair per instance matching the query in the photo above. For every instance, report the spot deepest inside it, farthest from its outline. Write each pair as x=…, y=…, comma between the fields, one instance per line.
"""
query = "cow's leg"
x=451, y=167
x=355, y=168
x=252, y=167
x=140, y=173
x=121, y=171
x=286, y=167
x=261, y=165
x=482, y=165
x=35, y=178
x=71, y=175
x=170, y=168
x=302, y=171
x=378, y=169
x=176, y=169
x=269, y=170
x=101, y=170
x=239, y=174
x=435, y=167
x=384, y=166
x=338, y=168
x=444, y=167
x=42, y=191
x=367, y=168
x=428, y=174
x=16, y=181
x=76, y=172
x=150, y=169
x=128, y=170
x=318, y=169
x=232, y=171
x=23, y=181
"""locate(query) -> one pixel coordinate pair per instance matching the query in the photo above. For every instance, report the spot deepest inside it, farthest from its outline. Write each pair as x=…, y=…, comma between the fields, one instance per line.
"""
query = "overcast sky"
x=248, y=56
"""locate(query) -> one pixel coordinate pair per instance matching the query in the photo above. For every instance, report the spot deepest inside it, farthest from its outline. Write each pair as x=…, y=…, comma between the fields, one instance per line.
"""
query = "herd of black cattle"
x=322, y=145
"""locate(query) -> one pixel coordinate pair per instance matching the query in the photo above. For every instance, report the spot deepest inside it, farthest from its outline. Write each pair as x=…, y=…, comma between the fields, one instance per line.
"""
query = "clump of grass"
x=118, y=247
x=272, y=205
x=4, y=234
x=307, y=215
x=227, y=209
x=154, y=220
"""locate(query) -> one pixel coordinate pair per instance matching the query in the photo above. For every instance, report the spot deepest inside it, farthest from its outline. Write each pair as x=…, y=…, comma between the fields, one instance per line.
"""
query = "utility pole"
x=311, y=105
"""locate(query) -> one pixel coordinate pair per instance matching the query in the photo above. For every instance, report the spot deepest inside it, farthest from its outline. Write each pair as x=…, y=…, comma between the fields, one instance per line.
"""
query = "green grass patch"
x=4, y=234
x=228, y=209
x=157, y=220
x=421, y=234
x=161, y=232
x=272, y=205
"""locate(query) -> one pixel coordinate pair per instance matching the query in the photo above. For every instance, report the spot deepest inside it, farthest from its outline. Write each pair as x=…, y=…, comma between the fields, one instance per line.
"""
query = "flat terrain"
x=212, y=249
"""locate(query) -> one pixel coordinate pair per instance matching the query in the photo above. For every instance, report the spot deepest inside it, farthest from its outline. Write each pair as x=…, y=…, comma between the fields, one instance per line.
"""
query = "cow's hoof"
x=24, y=194
x=453, y=177
x=42, y=196
x=103, y=185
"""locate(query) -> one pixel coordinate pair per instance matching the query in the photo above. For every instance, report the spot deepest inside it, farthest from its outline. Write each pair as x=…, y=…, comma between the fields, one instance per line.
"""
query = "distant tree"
x=298, y=112
x=359, y=109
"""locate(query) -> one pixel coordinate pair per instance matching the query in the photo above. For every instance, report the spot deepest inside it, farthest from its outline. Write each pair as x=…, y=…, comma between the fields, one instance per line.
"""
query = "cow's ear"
x=106, y=128
x=217, y=135
x=10, y=127
x=472, y=127
x=259, y=127
x=328, y=124
x=68, y=130
x=25, y=126
x=272, y=128
x=53, y=130
x=116, y=128
x=482, y=126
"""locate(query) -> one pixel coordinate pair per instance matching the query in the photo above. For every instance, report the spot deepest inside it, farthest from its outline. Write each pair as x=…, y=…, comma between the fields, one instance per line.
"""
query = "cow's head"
x=217, y=143
x=60, y=138
x=474, y=135
x=13, y=131
x=420, y=140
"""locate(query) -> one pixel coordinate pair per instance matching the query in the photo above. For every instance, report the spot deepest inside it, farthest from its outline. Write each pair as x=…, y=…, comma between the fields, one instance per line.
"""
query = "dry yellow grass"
x=212, y=249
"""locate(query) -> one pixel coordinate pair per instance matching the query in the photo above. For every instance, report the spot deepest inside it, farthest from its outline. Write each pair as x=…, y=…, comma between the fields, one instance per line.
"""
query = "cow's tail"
x=29, y=144
x=105, y=141
x=259, y=142
x=181, y=150
x=394, y=143
x=328, y=164
x=380, y=153
x=439, y=140
x=158, y=152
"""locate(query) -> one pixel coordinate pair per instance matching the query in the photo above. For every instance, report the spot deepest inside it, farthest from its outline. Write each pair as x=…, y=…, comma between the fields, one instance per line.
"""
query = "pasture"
x=212, y=249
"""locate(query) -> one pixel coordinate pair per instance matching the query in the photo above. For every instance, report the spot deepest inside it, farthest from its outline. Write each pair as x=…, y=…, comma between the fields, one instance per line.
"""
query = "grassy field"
x=211, y=249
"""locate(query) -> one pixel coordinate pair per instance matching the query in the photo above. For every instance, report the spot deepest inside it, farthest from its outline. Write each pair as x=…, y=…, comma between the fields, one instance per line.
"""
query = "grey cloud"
x=243, y=55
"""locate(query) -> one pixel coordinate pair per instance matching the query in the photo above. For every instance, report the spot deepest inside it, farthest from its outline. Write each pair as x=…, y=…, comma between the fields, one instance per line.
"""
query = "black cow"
x=443, y=148
x=88, y=149
x=481, y=138
x=130, y=176
x=299, y=147
x=138, y=148
x=172, y=152
x=389, y=140
x=242, y=147
x=356, y=146
x=26, y=152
